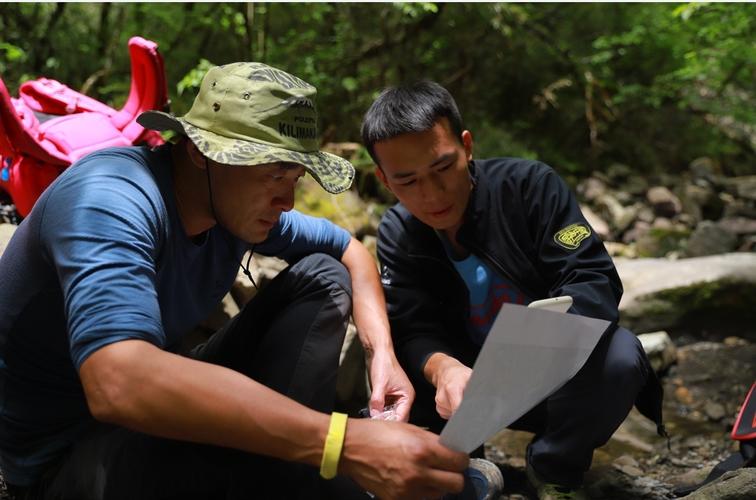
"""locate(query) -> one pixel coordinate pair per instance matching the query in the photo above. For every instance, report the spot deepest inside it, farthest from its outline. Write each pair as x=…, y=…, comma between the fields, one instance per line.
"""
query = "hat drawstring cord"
x=245, y=269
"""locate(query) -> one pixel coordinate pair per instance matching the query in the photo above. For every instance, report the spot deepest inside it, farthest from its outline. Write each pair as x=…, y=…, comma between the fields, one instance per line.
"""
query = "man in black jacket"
x=469, y=235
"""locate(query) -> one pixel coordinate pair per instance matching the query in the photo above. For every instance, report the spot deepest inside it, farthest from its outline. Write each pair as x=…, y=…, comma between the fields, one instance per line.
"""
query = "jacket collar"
x=475, y=218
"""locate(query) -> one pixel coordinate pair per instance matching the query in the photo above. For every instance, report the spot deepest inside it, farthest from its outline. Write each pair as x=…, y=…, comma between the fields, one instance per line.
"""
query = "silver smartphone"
x=556, y=304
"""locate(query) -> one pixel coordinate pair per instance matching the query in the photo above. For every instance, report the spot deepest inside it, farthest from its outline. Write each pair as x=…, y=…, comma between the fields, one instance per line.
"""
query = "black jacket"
x=524, y=222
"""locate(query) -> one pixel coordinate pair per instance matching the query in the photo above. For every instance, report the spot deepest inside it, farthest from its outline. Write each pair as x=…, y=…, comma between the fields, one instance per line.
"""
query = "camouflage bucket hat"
x=248, y=113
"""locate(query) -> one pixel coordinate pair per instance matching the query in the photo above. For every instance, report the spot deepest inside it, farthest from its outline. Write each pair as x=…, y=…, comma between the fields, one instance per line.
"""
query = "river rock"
x=352, y=390
x=611, y=210
x=610, y=482
x=701, y=202
x=591, y=189
x=371, y=243
x=616, y=249
x=715, y=411
x=660, y=242
x=226, y=310
x=659, y=293
x=6, y=232
x=735, y=207
x=662, y=223
x=344, y=209
x=748, y=245
x=347, y=150
x=738, y=225
x=263, y=269
x=663, y=201
x=744, y=186
x=660, y=349
x=703, y=168
x=645, y=215
x=600, y=227
x=618, y=172
x=635, y=185
x=738, y=484
x=710, y=238
x=640, y=228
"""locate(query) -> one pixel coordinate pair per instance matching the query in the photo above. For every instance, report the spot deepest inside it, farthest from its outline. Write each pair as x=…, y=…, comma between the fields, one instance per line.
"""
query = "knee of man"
x=328, y=268
x=625, y=364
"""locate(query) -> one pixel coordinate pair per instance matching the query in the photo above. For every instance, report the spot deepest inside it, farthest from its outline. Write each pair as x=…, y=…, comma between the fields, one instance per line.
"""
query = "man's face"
x=427, y=171
x=249, y=199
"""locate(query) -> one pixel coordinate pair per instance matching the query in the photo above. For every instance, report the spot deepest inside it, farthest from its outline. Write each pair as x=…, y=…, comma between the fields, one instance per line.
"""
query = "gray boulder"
x=618, y=216
x=660, y=349
x=734, y=485
x=661, y=293
x=701, y=202
x=743, y=186
x=663, y=201
x=710, y=238
x=639, y=230
x=660, y=241
x=738, y=225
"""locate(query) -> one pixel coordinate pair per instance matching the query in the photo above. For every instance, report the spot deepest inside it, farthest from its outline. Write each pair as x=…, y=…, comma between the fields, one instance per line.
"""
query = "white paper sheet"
x=527, y=356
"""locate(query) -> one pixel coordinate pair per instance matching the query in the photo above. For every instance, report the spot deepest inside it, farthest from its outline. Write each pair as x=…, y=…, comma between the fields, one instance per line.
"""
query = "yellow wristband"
x=333, y=444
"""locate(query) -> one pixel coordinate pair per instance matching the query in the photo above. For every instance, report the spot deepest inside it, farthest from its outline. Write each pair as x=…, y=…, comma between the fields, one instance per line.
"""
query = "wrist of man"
x=378, y=349
x=436, y=365
x=333, y=445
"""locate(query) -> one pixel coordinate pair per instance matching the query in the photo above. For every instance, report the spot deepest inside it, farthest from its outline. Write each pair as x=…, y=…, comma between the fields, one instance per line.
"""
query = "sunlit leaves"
x=191, y=81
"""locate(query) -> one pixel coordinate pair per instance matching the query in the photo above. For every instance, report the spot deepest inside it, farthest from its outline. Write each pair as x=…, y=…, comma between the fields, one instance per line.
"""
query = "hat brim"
x=333, y=173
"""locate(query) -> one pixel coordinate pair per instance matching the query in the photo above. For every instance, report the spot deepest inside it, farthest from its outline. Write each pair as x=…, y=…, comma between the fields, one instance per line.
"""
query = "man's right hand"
x=394, y=460
x=450, y=378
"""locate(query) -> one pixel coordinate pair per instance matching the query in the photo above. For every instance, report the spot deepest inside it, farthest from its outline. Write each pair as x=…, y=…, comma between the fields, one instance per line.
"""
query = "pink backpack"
x=51, y=126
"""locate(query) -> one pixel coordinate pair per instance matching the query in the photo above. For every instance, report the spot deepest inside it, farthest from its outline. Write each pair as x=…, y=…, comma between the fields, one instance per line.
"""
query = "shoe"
x=552, y=491
x=486, y=478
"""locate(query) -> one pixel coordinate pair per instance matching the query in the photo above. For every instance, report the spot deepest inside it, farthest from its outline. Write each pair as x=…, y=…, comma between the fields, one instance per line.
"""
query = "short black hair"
x=408, y=109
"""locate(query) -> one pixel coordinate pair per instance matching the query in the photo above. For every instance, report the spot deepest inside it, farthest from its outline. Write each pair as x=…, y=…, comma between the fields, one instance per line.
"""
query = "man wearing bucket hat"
x=129, y=249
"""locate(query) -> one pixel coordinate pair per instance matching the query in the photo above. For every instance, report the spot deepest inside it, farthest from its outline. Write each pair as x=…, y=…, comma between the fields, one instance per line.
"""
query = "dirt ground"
x=703, y=392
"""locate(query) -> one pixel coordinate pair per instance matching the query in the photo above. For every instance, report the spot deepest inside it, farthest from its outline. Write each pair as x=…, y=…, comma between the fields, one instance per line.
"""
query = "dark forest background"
x=579, y=86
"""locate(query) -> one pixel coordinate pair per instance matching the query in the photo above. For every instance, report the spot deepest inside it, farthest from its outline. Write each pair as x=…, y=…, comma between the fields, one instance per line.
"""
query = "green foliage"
x=579, y=86
x=193, y=78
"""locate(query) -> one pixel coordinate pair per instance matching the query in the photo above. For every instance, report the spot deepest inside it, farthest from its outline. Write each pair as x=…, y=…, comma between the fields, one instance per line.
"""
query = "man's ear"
x=197, y=158
x=467, y=142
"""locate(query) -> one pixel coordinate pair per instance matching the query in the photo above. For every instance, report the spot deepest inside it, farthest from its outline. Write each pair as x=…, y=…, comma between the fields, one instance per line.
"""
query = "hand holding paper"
x=450, y=378
x=527, y=356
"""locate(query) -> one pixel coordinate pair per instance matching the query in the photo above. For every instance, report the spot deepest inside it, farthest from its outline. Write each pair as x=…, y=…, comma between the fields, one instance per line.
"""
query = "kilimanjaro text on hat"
x=296, y=131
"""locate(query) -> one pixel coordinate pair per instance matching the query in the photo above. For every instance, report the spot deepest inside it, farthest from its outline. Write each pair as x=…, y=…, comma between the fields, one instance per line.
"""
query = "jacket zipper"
x=446, y=265
x=500, y=269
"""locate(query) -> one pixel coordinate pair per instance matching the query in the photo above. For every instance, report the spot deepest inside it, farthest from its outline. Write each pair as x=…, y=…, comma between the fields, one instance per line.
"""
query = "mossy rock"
x=662, y=294
x=345, y=209
x=658, y=242
x=728, y=300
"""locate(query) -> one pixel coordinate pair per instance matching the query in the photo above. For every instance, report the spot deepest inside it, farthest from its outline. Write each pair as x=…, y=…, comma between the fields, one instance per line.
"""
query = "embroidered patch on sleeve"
x=571, y=236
